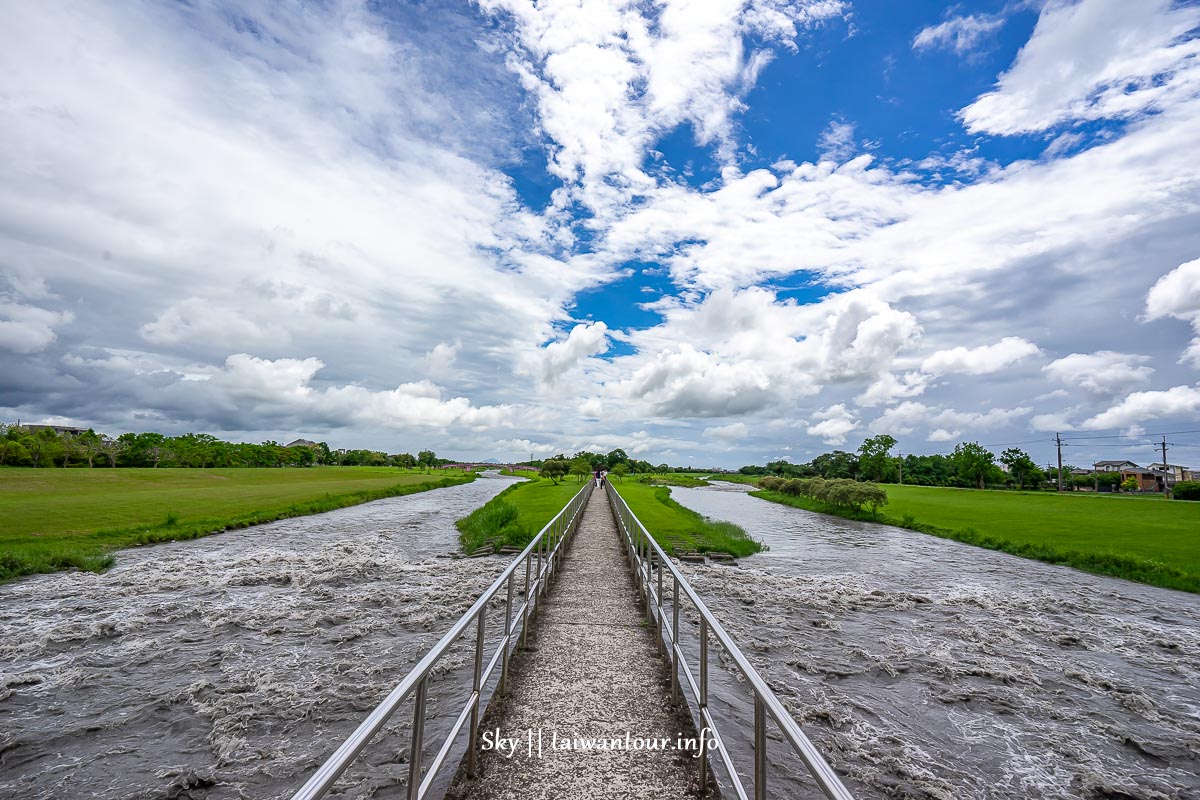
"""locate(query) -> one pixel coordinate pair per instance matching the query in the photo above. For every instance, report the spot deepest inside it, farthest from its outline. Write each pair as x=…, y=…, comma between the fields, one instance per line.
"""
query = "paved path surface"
x=592, y=670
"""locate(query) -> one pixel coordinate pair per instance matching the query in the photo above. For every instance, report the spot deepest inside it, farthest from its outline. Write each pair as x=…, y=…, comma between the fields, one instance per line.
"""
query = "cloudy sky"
x=708, y=231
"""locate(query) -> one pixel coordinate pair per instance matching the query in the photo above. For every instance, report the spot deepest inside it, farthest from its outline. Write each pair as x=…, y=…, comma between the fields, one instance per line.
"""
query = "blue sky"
x=712, y=233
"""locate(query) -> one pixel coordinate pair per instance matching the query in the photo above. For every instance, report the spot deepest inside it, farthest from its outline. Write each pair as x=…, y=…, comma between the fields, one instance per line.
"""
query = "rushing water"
x=925, y=668
x=230, y=666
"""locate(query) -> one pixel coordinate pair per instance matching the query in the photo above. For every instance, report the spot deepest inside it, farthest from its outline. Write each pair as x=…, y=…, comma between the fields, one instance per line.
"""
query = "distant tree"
x=873, y=456
x=555, y=469
x=1130, y=484
x=615, y=457
x=581, y=466
x=43, y=445
x=111, y=448
x=406, y=460
x=1020, y=466
x=973, y=462
x=838, y=464
x=427, y=459
x=89, y=446
x=620, y=470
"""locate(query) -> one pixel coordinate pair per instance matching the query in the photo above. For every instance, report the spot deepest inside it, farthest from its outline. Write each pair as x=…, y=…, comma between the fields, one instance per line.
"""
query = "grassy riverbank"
x=677, y=528
x=516, y=515
x=1155, y=543
x=59, y=519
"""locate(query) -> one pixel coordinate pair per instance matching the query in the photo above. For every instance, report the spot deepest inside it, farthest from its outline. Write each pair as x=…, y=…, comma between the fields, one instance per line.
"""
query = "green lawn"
x=1150, y=540
x=677, y=528
x=517, y=514
x=59, y=518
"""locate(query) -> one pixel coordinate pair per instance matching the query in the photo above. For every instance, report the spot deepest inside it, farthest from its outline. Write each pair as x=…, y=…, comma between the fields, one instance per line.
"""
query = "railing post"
x=473, y=745
x=702, y=700
x=418, y=742
x=660, y=607
x=675, y=641
x=507, y=637
x=760, y=749
x=525, y=609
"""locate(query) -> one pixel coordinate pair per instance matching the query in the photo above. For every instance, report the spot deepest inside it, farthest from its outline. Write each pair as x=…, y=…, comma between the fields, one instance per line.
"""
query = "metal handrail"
x=647, y=558
x=549, y=546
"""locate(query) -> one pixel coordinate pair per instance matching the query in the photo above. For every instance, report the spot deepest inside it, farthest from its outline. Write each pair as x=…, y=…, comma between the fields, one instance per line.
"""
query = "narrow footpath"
x=592, y=670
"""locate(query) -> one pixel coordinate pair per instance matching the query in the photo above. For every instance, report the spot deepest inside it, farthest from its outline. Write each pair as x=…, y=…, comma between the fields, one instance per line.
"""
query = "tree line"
x=970, y=465
x=22, y=446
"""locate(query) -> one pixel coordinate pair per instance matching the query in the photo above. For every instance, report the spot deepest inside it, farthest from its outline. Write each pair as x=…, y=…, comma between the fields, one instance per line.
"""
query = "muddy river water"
x=926, y=668
x=230, y=666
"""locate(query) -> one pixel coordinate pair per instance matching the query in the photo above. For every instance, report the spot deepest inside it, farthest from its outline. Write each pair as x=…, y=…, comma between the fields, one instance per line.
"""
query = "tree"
x=873, y=455
x=111, y=448
x=838, y=464
x=43, y=444
x=555, y=468
x=1130, y=484
x=1020, y=466
x=581, y=466
x=972, y=462
x=615, y=457
x=427, y=459
x=620, y=470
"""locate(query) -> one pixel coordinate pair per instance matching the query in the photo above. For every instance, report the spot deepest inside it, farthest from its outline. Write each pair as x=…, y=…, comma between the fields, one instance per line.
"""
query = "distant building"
x=59, y=429
x=1176, y=472
x=302, y=443
x=1148, y=480
x=1114, y=466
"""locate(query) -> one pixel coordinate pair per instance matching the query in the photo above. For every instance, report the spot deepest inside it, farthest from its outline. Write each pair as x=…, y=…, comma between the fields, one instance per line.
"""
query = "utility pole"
x=1058, y=441
x=1166, y=469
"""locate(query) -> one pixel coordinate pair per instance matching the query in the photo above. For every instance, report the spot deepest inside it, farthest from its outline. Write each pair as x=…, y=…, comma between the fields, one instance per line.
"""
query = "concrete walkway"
x=592, y=670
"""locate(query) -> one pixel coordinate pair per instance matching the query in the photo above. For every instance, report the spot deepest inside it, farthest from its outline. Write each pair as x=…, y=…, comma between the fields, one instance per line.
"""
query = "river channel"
x=926, y=668
x=231, y=666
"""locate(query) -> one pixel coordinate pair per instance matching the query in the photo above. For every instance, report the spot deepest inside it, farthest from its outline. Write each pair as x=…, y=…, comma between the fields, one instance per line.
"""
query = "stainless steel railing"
x=548, y=548
x=649, y=564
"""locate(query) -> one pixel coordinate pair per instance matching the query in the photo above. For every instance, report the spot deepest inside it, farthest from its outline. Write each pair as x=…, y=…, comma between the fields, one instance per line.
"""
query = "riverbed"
x=926, y=668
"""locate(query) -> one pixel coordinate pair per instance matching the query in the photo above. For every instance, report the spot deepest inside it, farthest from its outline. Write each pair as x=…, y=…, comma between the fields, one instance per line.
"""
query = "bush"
x=839, y=492
x=1187, y=490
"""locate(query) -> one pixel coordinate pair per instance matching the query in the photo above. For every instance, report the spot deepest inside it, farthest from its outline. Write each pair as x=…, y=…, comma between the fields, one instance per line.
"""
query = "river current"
x=926, y=668
x=231, y=666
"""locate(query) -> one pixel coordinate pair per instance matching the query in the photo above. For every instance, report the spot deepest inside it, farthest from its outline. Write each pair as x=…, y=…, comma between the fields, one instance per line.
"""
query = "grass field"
x=56, y=519
x=677, y=528
x=1147, y=540
x=516, y=515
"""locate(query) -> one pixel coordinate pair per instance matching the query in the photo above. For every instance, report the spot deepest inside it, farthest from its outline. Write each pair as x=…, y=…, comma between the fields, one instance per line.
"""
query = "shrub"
x=839, y=492
x=1187, y=490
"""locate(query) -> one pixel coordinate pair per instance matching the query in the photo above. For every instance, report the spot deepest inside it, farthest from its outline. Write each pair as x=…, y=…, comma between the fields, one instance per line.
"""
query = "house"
x=1175, y=472
x=59, y=429
x=1148, y=480
x=302, y=443
x=1114, y=466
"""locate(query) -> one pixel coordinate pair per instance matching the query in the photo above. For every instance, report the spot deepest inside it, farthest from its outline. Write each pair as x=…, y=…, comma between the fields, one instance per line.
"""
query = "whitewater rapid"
x=231, y=666
x=926, y=668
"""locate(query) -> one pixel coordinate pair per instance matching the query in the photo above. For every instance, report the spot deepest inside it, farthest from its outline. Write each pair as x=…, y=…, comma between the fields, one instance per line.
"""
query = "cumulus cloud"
x=960, y=34
x=981, y=360
x=26, y=328
x=945, y=423
x=1177, y=294
x=559, y=357
x=732, y=432
x=833, y=424
x=1141, y=407
x=1093, y=59
x=1102, y=373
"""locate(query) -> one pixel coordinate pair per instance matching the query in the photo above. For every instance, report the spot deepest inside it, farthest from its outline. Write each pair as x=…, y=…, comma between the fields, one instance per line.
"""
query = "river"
x=926, y=668
x=231, y=666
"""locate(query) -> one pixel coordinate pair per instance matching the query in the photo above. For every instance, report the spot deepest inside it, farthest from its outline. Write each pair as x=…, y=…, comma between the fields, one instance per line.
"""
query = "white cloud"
x=981, y=360
x=901, y=420
x=556, y=359
x=1093, y=59
x=888, y=388
x=960, y=34
x=837, y=142
x=1102, y=373
x=732, y=432
x=946, y=423
x=27, y=328
x=1177, y=294
x=834, y=423
x=1142, y=407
